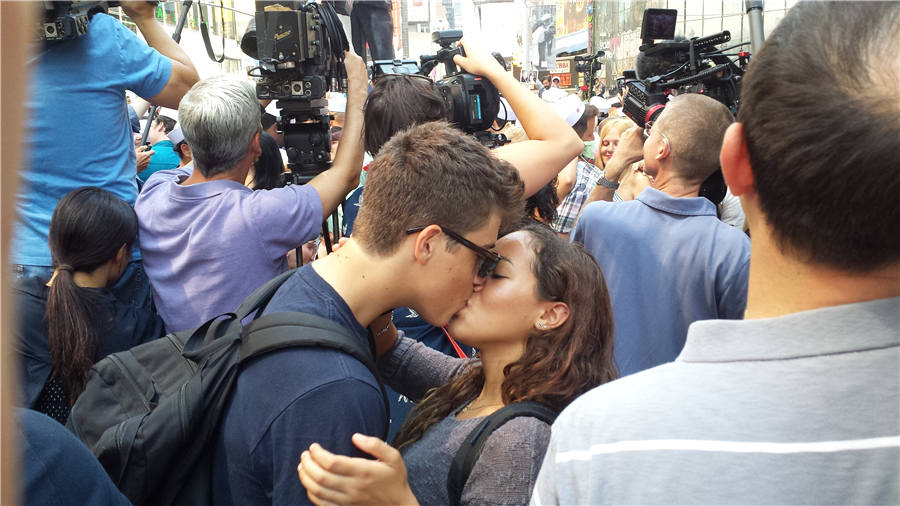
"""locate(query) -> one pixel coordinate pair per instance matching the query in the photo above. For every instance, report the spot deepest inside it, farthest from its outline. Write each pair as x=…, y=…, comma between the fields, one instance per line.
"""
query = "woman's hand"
x=357, y=76
x=337, y=479
x=477, y=60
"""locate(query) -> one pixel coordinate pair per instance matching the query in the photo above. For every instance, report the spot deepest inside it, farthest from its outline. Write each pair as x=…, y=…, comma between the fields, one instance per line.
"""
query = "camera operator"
x=667, y=258
x=208, y=241
x=398, y=102
x=86, y=78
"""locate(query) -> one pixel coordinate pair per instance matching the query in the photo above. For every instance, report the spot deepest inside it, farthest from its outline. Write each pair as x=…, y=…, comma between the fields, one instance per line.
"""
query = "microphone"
x=655, y=63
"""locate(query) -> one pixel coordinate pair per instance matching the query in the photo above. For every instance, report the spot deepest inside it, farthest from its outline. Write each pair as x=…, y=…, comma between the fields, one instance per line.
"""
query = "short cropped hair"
x=434, y=174
x=589, y=112
x=695, y=126
x=820, y=107
x=219, y=117
x=397, y=102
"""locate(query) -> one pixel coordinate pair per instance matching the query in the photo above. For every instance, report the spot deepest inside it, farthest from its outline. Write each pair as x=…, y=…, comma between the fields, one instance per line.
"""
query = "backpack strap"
x=471, y=448
x=221, y=324
x=258, y=300
x=276, y=331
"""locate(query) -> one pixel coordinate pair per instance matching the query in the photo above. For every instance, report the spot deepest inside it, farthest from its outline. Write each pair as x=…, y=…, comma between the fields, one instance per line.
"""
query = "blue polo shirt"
x=286, y=400
x=668, y=262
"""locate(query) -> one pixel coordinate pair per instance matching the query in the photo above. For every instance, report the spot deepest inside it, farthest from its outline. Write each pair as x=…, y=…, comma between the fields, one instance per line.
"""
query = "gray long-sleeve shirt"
x=506, y=471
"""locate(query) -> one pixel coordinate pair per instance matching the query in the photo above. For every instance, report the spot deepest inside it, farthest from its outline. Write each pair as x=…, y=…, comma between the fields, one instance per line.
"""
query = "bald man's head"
x=695, y=126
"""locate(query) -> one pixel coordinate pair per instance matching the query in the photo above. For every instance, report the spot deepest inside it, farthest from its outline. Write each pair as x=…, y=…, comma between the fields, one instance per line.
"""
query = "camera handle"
x=754, y=13
x=177, y=38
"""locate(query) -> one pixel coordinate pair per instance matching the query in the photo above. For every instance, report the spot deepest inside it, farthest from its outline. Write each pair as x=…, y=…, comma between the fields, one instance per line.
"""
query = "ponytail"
x=87, y=229
x=73, y=330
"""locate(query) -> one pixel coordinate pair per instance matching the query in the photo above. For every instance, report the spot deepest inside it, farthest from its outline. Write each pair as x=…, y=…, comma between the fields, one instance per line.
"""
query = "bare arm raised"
x=630, y=150
x=552, y=143
x=343, y=176
x=183, y=75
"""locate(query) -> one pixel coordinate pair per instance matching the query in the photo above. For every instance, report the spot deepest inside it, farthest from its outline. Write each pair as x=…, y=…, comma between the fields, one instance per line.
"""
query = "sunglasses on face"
x=489, y=259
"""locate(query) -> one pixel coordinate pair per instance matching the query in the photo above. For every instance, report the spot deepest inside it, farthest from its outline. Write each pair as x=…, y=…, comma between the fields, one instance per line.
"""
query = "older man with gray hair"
x=207, y=240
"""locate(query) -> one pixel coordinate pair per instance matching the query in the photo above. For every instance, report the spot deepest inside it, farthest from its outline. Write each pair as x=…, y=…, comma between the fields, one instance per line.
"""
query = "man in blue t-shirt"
x=86, y=78
x=435, y=202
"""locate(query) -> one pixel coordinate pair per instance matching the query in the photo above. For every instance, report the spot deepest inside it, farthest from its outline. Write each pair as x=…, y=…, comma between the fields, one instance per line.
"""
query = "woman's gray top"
x=506, y=471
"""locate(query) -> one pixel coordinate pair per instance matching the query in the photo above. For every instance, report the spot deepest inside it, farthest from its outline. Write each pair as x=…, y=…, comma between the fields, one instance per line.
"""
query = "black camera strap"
x=204, y=30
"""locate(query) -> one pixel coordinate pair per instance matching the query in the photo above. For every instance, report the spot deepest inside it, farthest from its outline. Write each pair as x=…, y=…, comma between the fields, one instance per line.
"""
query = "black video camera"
x=589, y=65
x=300, y=48
x=68, y=20
x=472, y=102
x=674, y=66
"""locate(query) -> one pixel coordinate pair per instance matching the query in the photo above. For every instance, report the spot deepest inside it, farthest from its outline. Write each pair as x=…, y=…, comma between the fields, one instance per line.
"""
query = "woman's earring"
x=541, y=325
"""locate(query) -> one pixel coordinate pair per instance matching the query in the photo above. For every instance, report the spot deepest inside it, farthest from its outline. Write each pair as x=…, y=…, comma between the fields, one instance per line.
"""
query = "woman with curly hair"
x=543, y=325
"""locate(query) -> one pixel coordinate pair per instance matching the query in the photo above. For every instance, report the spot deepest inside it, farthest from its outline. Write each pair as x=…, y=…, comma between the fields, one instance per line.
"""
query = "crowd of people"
x=696, y=349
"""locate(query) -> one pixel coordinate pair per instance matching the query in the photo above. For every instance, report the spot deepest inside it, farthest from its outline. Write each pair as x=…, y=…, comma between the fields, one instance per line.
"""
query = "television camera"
x=471, y=102
x=68, y=20
x=674, y=66
x=589, y=65
x=300, y=48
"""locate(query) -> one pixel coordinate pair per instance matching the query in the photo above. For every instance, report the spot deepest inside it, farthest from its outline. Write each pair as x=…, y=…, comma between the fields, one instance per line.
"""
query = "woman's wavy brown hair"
x=558, y=364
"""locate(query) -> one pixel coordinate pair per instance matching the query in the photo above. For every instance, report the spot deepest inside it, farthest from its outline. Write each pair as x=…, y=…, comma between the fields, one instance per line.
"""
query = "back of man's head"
x=219, y=117
x=827, y=181
x=434, y=174
x=695, y=126
x=397, y=102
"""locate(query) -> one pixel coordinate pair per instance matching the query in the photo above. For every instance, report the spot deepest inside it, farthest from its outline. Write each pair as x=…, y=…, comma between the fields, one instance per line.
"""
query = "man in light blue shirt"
x=667, y=258
x=86, y=78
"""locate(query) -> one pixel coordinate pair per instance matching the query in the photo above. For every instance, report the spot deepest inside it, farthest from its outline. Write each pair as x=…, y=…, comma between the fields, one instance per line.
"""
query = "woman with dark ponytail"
x=72, y=320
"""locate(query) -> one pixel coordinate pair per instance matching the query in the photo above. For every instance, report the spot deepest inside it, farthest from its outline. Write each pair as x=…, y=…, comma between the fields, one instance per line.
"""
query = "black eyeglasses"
x=489, y=259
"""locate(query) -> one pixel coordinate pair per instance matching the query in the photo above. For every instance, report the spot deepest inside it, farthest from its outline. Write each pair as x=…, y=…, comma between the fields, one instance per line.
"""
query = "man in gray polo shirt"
x=799, y=402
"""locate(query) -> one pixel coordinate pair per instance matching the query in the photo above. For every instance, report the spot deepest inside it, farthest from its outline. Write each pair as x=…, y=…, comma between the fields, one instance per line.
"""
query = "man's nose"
x=478, y=282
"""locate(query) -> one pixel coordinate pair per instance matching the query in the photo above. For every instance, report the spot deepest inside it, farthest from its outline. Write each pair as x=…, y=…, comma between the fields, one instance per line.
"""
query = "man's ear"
x=554, y=315
x=255, y=148
x=735, y=161
x=425, y=243
x=663, y=149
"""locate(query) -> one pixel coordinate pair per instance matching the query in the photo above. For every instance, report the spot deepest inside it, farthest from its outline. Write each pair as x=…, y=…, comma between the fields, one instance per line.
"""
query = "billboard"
x=542, y=20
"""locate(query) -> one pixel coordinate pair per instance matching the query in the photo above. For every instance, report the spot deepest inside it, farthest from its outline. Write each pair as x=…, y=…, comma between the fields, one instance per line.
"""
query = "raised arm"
x=335, y=183
x=552, y=143
x=630, y=150
x=183, y=75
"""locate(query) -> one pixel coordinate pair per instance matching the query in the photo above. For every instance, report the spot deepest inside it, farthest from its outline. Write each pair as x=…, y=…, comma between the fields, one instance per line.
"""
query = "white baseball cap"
x=176, y=135
x=570, y=108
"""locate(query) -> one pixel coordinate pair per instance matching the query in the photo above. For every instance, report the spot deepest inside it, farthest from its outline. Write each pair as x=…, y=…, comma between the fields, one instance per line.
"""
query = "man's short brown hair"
x=397, y=102
x=580, y=126
x=434, y=174
x=695, y=126
x=820, y=107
